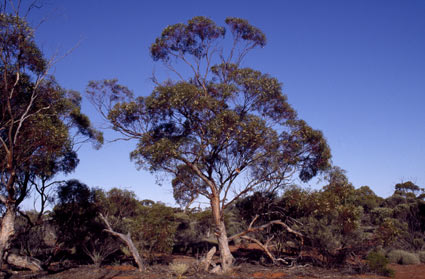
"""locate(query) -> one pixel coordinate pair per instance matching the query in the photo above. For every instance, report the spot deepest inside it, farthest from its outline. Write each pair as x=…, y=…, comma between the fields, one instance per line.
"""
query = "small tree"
x=221, y=130
x=75, y=214
x=36, y=118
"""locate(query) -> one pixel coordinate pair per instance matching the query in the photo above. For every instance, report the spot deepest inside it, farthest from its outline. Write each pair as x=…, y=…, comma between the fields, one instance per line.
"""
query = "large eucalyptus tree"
x=220, y=129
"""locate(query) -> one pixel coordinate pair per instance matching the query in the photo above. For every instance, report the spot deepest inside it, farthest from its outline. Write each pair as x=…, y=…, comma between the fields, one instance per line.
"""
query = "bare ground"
x=241, y=271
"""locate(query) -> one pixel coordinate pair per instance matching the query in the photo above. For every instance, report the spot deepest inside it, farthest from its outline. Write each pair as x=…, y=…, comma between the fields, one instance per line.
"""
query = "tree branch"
x=262, y=227
x=126, y=238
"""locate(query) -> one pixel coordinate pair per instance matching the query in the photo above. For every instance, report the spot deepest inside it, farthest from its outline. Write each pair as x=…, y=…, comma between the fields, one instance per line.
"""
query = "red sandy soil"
x=244, y=271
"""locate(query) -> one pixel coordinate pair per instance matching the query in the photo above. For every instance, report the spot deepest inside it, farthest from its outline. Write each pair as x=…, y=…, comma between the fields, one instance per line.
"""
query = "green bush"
x=378, y=263
x=422, y=256
x=403, y=257
x=178, y=269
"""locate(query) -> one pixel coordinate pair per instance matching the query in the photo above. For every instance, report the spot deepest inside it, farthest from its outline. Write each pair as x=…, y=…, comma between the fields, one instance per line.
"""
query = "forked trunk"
x=7, y=231
x=226, y=257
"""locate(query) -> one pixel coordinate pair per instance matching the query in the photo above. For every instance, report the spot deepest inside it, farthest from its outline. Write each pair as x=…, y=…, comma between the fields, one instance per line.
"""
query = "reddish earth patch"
x=268, y=275
x=120, y=267
x=409, y=271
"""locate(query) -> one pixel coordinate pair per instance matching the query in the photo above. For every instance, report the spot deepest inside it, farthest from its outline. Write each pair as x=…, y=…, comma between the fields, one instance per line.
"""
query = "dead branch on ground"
x=265, y=246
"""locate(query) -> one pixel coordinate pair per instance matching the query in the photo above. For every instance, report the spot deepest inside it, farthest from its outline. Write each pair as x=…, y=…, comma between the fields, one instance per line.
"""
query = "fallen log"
x=208, y=259
x=24, y=262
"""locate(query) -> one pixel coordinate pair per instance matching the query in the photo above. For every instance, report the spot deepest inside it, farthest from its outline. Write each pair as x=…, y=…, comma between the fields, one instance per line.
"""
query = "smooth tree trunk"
x=226, y=257
x=7, y=231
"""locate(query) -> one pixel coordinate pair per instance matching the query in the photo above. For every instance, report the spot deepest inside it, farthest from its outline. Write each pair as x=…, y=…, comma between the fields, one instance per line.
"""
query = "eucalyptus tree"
x=220, y=129
x=38, y=120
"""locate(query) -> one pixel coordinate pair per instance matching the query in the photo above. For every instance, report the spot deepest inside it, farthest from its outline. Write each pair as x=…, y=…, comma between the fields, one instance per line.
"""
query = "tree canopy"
x=213, y=129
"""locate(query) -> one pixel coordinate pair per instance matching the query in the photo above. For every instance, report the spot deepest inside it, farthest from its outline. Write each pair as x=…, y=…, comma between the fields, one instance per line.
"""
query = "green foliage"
x=241, y=29
x=407, y=187
x=152, y=226
x=403, y=257
x=379, y=214
x=118, y=205
x=178, y=269
x=299, y=202
x=75, y=217
x=191, y=38
x=155, y=227
x=400, y=219
x=388, y=231
x=340, y=219
x=366, y=198
x=194, y=231
x=378, y=264
x=18, y=41
x=331, y=219
x=259, y=203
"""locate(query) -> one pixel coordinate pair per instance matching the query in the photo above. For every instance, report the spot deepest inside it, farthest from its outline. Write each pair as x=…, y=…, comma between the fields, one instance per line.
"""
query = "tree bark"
x=7, y=231
x=226, y=257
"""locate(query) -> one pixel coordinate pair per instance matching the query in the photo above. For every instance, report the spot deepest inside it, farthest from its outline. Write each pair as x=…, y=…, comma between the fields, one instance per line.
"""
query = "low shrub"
x=403, y=257
x=418, y=243
x=377, y=263
x=178, y=269
x=422, y=256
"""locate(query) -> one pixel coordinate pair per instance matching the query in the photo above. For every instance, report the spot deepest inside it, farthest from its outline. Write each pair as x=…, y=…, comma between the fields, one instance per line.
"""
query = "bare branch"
x=126, y=238
x=3, y=199
x=265, y=248
x=262, y=227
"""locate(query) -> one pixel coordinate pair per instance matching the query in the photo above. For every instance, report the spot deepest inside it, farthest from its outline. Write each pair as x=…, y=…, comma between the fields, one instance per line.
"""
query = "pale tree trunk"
x=7, y=231
x=226, y=257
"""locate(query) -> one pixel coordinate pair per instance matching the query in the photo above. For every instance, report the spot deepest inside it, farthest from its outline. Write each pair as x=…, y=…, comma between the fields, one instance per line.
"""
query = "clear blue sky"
x=353, y=69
